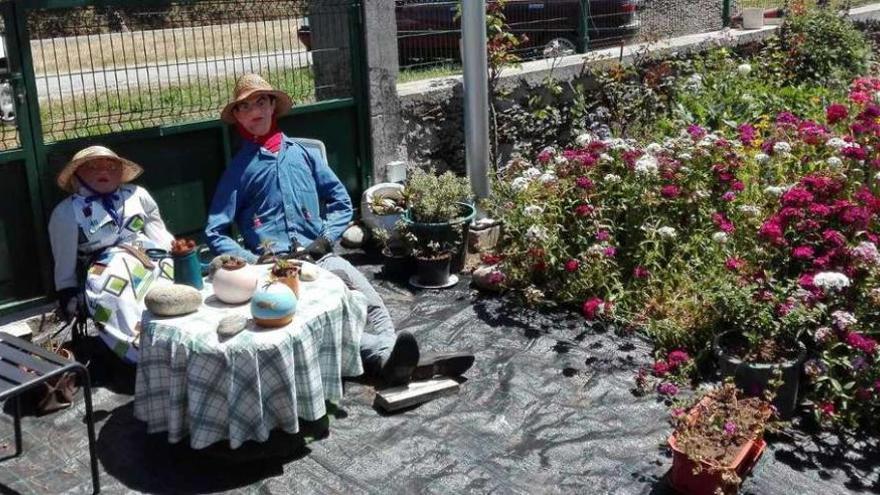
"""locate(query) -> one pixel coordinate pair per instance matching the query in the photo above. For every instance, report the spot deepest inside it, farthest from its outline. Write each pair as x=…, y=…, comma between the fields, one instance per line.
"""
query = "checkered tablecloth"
x=191, y=383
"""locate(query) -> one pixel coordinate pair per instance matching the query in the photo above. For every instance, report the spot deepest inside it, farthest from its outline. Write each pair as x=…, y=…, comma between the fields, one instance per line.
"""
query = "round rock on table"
x=231, y=325
x=308, y=272
x=173, y=300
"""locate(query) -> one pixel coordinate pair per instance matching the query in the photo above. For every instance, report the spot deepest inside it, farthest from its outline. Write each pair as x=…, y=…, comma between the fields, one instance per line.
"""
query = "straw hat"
x=130, y=169
x=252, y=84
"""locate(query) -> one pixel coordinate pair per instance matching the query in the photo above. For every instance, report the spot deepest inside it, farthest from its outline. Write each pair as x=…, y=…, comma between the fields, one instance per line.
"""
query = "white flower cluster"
x=775, y=191
x=762, y=158
x=533, y=210
x=536, y=233
x=519, y=184
x=584, y=139
x=719, y=237
x=744, y=69
x=612, y=178
x=831, y=281
x=750, y=210
x=606, y=158
x=782, y=148
x=834, y=162
x=646, y=165
x=547, y=178
x=667, y=233
x=836, y=143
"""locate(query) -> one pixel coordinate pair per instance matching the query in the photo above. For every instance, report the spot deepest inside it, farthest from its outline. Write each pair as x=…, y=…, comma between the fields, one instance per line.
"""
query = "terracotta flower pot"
x=704, y=478
x=709, y=479
x=290, y=278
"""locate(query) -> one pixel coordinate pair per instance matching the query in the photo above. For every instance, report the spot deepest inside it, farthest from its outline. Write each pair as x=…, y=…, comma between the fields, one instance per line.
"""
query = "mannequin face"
x=255, y=114
x=101, y=174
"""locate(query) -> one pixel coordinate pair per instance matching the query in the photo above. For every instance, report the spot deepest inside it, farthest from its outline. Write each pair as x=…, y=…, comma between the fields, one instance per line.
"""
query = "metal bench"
x=16, y=356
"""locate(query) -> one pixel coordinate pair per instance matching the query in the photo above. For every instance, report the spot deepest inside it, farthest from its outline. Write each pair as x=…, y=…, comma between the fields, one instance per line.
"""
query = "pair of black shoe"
x=405, y=363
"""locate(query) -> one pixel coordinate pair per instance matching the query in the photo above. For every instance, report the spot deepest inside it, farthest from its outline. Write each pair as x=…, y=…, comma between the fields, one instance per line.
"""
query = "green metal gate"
x=148, y=78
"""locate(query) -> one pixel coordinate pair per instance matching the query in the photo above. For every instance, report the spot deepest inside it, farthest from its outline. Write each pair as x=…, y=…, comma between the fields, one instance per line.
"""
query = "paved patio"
x=547, y=408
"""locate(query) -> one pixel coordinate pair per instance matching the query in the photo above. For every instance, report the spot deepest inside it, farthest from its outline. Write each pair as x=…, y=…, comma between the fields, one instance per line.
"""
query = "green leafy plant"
x=433, y=198
x=817, y=46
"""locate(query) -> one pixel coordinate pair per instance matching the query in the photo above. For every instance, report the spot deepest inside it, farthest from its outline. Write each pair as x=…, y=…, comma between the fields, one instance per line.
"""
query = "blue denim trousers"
x=379, y=335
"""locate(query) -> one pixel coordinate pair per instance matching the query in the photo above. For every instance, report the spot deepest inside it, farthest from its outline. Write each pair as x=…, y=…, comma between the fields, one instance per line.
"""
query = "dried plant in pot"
x=287, y=272
x=187, y=267
x=718, y=441
x=433, y=262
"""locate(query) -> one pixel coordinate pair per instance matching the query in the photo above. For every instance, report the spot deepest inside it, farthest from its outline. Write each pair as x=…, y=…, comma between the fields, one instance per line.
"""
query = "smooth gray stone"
x=173, y=300
x=353, y=237
x=231, y=325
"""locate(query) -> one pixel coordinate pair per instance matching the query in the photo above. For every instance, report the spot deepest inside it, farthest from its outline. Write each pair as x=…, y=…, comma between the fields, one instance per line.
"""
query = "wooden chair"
x=16, y=356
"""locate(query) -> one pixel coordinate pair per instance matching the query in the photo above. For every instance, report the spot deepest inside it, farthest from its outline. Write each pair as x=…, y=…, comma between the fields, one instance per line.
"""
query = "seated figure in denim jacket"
x=278, y=191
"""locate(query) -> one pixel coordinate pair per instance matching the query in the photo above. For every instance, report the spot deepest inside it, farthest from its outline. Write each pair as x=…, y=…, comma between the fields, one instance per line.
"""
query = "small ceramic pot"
x=273, y=305
x=234, y=284
x=291, y=280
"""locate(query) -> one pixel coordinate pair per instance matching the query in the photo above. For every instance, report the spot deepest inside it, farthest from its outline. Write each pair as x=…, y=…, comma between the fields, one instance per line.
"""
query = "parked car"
x=429, y=29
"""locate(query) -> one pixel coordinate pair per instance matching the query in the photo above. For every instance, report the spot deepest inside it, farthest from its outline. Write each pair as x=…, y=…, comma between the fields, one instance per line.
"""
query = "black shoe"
x=404, y=357
x=450, y=364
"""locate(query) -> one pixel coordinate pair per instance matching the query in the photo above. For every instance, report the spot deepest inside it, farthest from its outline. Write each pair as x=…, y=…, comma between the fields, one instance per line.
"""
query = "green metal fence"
x=148, y=78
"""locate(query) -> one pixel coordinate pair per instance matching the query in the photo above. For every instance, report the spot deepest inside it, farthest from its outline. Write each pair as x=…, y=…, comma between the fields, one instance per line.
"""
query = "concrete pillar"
x=386, y=129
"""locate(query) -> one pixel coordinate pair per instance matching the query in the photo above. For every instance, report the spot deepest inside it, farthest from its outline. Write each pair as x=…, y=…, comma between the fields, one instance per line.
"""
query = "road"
x=65, y=85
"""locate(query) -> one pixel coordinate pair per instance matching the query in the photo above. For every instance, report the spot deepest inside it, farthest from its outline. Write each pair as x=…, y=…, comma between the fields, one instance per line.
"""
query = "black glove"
x=319, y=248
x=68, y=303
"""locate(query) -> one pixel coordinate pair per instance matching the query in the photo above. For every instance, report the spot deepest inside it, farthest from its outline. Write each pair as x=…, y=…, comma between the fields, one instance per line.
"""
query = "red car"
x=430, y=29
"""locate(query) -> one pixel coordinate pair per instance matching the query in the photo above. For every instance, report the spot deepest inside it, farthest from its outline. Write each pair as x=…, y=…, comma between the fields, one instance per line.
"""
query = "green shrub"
x=818, y=47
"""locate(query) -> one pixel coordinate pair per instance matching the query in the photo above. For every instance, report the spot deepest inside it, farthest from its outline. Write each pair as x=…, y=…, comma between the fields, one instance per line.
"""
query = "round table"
x=190, y=382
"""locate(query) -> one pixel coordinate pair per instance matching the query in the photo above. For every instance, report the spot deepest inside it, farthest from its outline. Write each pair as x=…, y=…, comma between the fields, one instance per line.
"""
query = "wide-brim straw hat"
x=66, y=179
x=252, y=84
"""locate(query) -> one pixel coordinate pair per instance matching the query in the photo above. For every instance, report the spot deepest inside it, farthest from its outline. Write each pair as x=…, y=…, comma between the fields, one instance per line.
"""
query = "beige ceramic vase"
x=234, y=283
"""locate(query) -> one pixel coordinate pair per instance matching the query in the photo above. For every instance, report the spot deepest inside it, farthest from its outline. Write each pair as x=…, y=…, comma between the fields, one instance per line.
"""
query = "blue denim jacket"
x=276, y=198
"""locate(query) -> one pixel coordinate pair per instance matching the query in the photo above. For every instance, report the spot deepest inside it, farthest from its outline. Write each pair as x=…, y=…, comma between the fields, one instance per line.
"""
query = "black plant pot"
x=753, y=378
x=452, y=232
x=433, y=272
x=397, y=265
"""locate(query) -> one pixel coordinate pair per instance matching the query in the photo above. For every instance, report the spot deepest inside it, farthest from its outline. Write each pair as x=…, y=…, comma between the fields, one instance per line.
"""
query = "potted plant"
x=187, y=267
x=382, y=206
x=717, y=441
x=233, y=282
x=397, y=259
x=433, y=262
x=439, y=209
x=287, y=273
x=763, y=325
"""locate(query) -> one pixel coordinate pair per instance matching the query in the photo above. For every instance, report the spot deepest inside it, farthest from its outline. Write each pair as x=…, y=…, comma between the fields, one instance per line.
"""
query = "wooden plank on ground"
x=392, y=399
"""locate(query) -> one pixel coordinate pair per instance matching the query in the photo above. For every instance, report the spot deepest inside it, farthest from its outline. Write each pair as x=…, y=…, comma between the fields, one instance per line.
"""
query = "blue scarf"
x=106, y=200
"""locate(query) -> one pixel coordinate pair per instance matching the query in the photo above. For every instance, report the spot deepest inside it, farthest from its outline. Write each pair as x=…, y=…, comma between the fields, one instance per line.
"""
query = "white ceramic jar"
x=235, y=285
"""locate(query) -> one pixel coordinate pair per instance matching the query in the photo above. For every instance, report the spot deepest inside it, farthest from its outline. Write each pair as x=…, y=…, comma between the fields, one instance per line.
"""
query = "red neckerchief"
x=271, y=140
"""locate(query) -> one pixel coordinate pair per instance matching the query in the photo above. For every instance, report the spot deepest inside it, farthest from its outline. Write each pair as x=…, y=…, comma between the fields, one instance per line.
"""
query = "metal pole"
x=476, y=95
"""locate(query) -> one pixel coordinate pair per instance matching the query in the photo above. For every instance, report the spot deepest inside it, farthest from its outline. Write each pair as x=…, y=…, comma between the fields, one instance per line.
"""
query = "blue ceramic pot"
x=273, y=305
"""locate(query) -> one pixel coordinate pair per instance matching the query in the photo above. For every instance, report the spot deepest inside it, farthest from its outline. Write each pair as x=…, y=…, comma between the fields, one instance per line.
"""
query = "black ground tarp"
x=547, y=408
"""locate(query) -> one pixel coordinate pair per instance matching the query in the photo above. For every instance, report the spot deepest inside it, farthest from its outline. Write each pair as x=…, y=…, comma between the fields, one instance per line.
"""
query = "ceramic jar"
x=234, y=283
x=273, y=305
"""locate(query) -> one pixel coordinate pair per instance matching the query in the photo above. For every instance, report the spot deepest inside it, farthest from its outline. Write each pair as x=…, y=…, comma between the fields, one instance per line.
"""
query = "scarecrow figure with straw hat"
x=277, y=191
x=104, y=225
